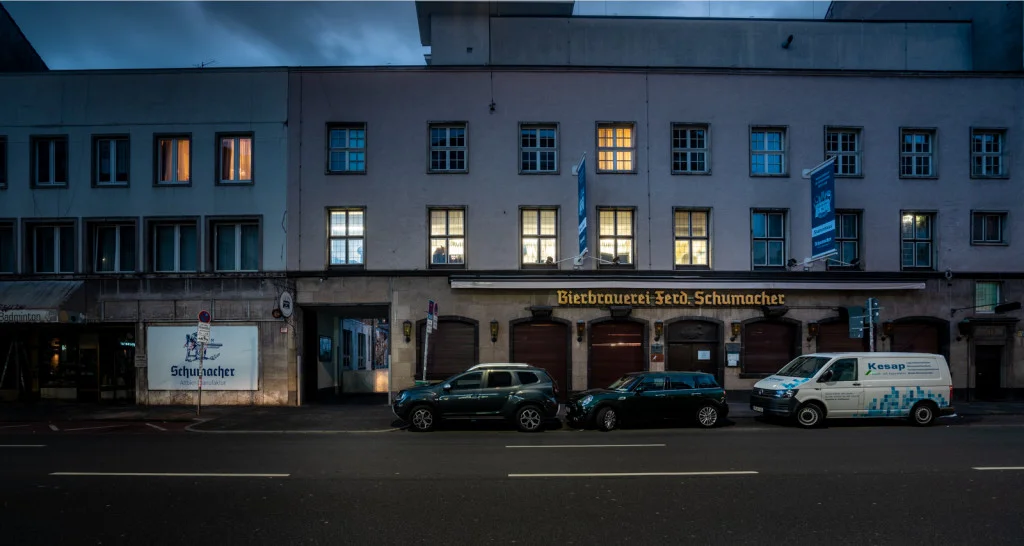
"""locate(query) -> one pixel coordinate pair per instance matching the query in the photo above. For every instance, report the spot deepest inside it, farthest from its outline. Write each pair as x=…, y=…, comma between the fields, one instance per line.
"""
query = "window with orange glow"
x=235, y=159
x=615, y=147
x=174, y=164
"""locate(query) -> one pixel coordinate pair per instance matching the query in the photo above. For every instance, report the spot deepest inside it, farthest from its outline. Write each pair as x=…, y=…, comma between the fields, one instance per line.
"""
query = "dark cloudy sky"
x=152, y=34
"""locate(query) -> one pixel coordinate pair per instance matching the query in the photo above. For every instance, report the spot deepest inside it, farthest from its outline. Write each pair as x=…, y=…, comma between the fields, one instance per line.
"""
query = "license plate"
x=758, y=409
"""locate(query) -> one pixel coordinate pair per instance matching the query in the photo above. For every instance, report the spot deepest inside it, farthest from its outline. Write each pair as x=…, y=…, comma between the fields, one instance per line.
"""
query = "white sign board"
x=703, y=355
x=734, y=359
x=231, y=361
x=28, y=315
x=203, y=332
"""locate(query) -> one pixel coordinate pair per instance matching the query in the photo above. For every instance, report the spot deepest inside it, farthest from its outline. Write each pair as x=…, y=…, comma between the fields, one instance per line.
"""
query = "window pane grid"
x=53, y=249
x=538, y=149
x=986, y=296
x=767, y=152
x=987, y=227
x=347, y=149
x=448, y=148
x=51, y=161
x=236, y=159
x=844, y=145
x=616, y=236
x=447, y=237
x=346, y=235
x=615, y=148
x=847, y=240
x=916, y=154
x=768, y=248
x=173, y=160
x=539, y=236
x=112, y=161
x=691, y=238
x=114, y=248
x=987, y=153
x=689, y=150
x=916, y=248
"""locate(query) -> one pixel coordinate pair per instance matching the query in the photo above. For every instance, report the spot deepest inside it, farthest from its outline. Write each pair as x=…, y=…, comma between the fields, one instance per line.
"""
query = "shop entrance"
x=693, y=346
x=988, y=367
x=346, y=352
x=544, y=344
x=616, y=348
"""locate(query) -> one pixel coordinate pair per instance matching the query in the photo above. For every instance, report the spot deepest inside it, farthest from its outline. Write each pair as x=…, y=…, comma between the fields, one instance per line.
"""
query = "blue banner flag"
x=581, y=179
x=823, y=210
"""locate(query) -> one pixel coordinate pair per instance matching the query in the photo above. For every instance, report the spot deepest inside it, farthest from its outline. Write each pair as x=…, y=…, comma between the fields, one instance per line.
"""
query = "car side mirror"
x=825, y=377
x=639, y=389
x=446, y=386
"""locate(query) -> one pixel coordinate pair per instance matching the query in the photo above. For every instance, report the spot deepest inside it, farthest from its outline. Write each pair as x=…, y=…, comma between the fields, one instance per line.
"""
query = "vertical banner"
x=581, y=193
x=823, y=210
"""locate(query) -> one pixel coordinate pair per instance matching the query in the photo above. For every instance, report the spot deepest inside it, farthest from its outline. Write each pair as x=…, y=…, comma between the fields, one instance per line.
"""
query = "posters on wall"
x=230, y=362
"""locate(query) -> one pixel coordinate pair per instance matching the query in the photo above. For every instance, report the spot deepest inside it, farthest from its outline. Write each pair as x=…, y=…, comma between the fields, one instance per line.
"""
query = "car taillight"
x=951, y=393
x=554, y=387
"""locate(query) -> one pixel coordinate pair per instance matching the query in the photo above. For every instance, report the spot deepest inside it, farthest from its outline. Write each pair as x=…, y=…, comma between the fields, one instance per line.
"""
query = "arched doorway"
x=834, y=337
x=544, y=344
x=920, y=335
x=768, y=344
x=617, y=347
x=693, y=345
x=454, y=347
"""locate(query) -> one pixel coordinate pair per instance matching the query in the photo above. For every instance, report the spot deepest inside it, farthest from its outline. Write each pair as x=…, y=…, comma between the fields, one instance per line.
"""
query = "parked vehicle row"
x=808, y=390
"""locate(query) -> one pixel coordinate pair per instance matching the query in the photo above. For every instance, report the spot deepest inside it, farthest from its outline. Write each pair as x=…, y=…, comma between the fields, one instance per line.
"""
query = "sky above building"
x=152, y=34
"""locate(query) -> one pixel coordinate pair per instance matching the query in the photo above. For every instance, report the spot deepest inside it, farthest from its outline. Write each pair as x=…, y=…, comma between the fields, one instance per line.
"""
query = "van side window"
x=844, y=370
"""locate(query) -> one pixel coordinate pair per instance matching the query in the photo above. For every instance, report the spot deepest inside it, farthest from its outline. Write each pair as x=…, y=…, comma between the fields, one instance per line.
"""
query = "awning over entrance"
x=659, y=284
x=42, y=301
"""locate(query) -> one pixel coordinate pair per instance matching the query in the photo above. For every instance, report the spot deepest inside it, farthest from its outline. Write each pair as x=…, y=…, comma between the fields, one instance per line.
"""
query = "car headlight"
x=789, y=393
x=586, y=400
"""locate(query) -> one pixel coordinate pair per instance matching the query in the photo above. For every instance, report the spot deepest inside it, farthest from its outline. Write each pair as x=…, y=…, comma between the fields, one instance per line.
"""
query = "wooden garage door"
x=616, y=348
x=768, y=346
x=915, y=337
x=544, y=345
x=453, y=349
x=834, y=337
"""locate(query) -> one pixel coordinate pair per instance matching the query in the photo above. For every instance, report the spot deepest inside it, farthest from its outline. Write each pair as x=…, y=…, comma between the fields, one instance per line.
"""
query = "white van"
x=817, y=386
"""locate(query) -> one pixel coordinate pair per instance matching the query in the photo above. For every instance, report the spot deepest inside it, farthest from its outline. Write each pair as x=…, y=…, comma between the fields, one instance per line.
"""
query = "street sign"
x=205, y=316
x=286, y=304
x=856, y=322
x=203, y=333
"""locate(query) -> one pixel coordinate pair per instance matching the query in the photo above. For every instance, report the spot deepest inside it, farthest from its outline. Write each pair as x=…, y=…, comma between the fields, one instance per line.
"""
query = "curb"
x=191, y=428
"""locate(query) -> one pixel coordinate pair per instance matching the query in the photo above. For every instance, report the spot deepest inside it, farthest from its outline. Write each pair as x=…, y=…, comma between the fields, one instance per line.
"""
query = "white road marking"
x=998, y=467
x=158, y=427
x=633, y=474
x=54, y=428
x=171, y=474
x=15, y=426
x=23, y=445
x=93, y=428
x=590, y=445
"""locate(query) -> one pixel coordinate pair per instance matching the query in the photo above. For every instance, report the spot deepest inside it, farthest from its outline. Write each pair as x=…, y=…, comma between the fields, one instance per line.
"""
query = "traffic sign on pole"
x=205, y=316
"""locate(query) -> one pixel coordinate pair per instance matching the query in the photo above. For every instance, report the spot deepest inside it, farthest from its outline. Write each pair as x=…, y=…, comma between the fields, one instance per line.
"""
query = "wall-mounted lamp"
x=659, y=328
x=407, y=330
x=886, y=330
x=812, y=330
x=735, y=331
x=581, y=328
x=965, y=329
x=494, y=331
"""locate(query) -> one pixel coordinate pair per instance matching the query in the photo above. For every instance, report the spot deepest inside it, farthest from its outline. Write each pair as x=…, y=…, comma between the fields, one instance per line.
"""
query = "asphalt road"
x=862, y=485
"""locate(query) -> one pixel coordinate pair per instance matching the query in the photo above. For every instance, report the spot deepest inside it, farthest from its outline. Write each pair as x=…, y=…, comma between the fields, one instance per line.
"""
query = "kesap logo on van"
x=901, y=368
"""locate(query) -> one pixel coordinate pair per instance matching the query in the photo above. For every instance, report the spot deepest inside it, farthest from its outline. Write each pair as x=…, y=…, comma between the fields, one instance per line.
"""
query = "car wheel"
x=607, y=419
x=923, y=414
x=707, y=416
x=422, y=419
x=529, y=419
x=809, y=415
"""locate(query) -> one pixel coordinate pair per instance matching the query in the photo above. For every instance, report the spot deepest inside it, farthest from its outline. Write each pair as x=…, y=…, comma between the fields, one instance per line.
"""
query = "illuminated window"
x=235, y=161
x=174, y=160
x=844, y=145
x=986, y=296
x=447, y=237
x=767, y=151
x=768, y=239
x=448, y=148
x=691, y=238
x=616, y=148
x=917, y=153
x=346, y=148
x=615, y=236
x=50, y=161
x=987, y=147
x=916, y=238
x=346, y=235
x=540, y=241
x=538, y=149
x=690, y=149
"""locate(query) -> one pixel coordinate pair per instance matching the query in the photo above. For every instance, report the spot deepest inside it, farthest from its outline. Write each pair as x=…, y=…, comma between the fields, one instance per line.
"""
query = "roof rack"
x=499, y=365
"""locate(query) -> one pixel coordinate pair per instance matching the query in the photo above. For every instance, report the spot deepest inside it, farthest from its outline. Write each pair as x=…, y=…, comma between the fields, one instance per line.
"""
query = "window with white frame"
x=691, y=238
x=8, y=248
x=917, y=236
x=540, y=236
x=175, y=247
x=236, y=246
x=986, y=296
x=50, y=161
x=346, y=148
x=988, y=227
x=448, y=147
x=447, y=237
x=113, y=248
x=235, y=161
x=173, y=160
x=917, y=153
x=987, y=147
x=346, y=235
x=615, y=236
x=53, y=248
x=3, y=162
x=767, y=151
x=538, y=149
x=844, y=144
x=690, y=149
x=768, y=239
x=110, y=161
x=616, y=147
x=847, y=237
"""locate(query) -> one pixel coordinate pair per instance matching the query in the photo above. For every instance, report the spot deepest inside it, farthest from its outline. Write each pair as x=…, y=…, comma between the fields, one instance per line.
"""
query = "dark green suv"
x=522, y=394
x=650, y=396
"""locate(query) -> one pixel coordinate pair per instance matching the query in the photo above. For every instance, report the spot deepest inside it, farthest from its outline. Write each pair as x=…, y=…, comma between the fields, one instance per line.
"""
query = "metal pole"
x=202, y=353
x=298, y=380
x=388, y=360
x=426, y=340
x=871, y=331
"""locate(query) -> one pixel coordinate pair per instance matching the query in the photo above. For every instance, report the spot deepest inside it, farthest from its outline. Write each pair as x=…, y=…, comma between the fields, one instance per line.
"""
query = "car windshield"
x=623, y=383
x=803, y=366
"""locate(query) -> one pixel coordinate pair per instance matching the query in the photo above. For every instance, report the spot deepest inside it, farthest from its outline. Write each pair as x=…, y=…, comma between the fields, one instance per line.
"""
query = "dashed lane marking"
x=170, y=474
x=588, y=445
x=634, y=474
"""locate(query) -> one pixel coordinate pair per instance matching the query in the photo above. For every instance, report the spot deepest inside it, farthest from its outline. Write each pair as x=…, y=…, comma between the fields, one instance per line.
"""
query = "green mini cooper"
x=650, y=396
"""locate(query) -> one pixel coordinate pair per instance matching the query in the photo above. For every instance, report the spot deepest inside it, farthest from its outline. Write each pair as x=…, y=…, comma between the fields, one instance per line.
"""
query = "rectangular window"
x=346, y=148
x=616, y=148
x=847, y=241
x=768, y=239
x=447, y=237
x=346, y=236
x=174, y=160
x=540, y=236
x=3, y=162
x=987, y=147
x=767, y=151
x=175, y=247
x=690, y=149
x=113, y=248
x=8, y=248
x=538, y=149
x=917, y=235
x=615, y=237
x=986, y=296
x=50, y=161
x=234, y=163
x=236, y=246
x=691, y=238
x=448, y=148
x=53, y=248
x=844, y=145
x=110, y=161
x=988, y=228
x=917, y=153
